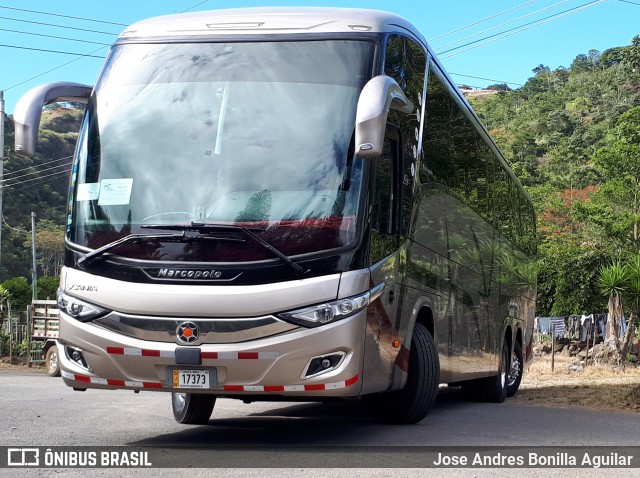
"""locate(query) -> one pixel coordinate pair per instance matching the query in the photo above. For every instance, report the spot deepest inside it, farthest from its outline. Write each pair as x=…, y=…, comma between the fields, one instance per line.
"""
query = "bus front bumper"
x=283, y=365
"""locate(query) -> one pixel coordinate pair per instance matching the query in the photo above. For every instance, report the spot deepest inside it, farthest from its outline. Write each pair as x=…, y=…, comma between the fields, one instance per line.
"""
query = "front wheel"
x=52, y=362
x=413, y=402
x=192, y=408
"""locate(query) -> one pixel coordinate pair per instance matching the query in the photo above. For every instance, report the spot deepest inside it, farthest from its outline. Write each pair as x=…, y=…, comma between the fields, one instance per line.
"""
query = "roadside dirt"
x=596, y=386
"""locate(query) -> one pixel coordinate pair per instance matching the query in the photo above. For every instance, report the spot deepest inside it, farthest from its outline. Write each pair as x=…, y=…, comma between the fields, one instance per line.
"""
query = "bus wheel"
x=413, y=402
x=515, y=370
x=192, y=408
x=51, y=362
x=495, y=388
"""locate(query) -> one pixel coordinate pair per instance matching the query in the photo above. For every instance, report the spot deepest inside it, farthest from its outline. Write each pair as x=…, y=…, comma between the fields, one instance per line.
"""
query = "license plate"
x=191, y=378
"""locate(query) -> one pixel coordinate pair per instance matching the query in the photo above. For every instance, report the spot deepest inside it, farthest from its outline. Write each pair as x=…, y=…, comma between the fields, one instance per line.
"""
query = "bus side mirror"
x=28, y=110
x=379, y=95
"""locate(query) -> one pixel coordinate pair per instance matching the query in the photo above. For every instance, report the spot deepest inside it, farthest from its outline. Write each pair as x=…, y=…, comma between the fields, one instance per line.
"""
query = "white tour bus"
x=296, y=204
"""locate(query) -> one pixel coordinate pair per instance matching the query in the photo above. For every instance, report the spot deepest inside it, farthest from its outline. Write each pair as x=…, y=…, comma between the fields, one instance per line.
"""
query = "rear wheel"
x=52, y=362
x=413, y=402
x=495, y=388
x=192, y=408
x=514, y=377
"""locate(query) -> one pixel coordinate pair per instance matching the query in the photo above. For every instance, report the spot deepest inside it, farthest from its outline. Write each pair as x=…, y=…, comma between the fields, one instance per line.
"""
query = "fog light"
x=323, y=364
x=77, y=357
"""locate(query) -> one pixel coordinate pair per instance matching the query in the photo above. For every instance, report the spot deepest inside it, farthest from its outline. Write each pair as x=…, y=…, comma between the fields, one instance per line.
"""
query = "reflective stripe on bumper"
x=227, y=388
x=205, y=355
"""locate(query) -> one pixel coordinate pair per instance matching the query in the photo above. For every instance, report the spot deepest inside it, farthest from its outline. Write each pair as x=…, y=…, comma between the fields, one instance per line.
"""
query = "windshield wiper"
x=203, y=228
x=184, y=236
x=95, y=254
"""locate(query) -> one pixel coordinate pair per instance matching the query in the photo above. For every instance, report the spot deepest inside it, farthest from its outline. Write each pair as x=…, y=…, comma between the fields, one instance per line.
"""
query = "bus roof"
x=270, y=20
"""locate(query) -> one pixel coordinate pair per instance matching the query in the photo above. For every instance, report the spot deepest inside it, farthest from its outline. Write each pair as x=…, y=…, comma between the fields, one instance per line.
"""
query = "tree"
x=631, y=55
x=49, y=247
x=613, y=283
x=620, y=281
x=633, y=299
x=30, y=186
x=4, y=298
x=611, y=56
x=580, y=64
x=48, y=287
x=567, y=280
x=619, y=161
x=19, y=292
x=499, y=87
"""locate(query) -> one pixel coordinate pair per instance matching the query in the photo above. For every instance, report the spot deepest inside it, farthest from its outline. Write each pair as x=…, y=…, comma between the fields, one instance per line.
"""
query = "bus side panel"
x=380, y=356
x=518, y=292
x=428, y=271
x=415, y=301
x=473, y=248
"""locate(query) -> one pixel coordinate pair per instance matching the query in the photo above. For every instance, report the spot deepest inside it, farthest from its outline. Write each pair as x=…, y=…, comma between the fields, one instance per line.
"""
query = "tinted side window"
x=405, y=62
x=384, y=218
x=458, y=157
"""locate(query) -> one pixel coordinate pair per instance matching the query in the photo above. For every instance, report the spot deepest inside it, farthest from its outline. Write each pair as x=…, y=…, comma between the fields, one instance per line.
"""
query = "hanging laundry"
x=543, y=325
x=585, y=324
x=557, y=326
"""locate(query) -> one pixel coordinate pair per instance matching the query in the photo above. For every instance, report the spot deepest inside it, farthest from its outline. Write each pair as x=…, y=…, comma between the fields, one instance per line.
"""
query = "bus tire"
x=52, y=362
x=495, y=387
x=413, y=402
x=192, y=408
x=514, y=376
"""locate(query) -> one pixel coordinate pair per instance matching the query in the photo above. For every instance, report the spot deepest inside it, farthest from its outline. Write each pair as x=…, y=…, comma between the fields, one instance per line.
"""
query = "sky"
x=549, y=32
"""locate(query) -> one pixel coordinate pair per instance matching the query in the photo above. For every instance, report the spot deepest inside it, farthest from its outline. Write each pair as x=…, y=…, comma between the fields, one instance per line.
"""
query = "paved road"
x=40, y=411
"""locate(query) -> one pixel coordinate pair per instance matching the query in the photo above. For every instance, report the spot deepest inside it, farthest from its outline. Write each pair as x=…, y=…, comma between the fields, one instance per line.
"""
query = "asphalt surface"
x=38, y=410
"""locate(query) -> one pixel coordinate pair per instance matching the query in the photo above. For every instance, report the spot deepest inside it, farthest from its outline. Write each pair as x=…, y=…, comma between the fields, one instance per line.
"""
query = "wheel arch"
x=426, y=317
x=508, y=336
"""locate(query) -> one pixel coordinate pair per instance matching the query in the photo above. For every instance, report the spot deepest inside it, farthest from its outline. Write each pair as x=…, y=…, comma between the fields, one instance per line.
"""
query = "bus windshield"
x=255, y=134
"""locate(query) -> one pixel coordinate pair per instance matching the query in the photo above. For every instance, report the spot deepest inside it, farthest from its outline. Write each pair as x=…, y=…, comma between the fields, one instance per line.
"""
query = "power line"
x=8, y=182
x=62, y=16
x=486, y=79
x=32, y=173
x=22, y=231
x=520, y=29
x=53, y=36
x=191, y=8
x=505, y=23
x=481, y=21
x=37, y=180
x=33, y=186
x=88, y=55
x=31, y=167
x=58, y=26
x=49, y=51
x=627, y=1
x=24, y=181
x=534, y=23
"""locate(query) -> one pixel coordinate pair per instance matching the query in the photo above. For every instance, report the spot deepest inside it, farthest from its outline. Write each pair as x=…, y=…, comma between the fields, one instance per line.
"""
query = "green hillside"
x=572, y=135
x=38, y=184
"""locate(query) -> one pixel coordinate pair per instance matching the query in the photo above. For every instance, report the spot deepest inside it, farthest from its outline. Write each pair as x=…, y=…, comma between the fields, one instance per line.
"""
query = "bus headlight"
x=78, y=309
x=321, y=314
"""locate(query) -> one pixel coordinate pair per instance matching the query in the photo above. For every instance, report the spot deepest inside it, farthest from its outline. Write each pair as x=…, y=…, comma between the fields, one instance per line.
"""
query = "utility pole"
x=1, y=166
x=34, y=272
